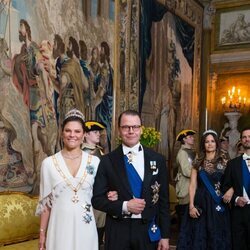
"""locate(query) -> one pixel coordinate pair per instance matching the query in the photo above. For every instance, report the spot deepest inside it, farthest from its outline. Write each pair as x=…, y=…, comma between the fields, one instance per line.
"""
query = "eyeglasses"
x=127, y=128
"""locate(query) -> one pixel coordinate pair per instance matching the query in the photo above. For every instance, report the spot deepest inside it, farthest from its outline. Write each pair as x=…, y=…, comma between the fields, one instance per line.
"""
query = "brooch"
x=90, y=169
x=153, y=167
x=130, y=157
x=87, y=217
x=156, y=190
x=220, y=166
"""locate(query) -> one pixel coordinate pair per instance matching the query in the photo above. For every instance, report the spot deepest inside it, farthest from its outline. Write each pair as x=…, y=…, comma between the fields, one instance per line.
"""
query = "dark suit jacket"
x=112, y=176
x=233, y=178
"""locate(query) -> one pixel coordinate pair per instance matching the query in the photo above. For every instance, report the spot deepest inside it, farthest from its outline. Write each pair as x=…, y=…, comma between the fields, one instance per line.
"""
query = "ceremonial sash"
x=246, y=178
x=135, y=182
x=134, y=179
x=217, y=198
x=154, y=231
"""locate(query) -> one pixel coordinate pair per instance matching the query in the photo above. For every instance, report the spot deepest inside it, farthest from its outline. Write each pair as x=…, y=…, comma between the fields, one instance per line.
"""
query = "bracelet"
x=191, y=208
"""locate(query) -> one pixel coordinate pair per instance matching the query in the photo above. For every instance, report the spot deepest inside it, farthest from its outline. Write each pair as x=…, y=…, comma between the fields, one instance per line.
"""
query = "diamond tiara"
x=75, y=113
x=210, y=131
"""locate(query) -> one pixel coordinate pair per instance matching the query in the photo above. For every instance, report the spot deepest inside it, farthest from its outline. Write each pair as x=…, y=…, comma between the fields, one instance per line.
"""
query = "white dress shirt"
x=137, y=160
x=245, y=156
x=244, y=191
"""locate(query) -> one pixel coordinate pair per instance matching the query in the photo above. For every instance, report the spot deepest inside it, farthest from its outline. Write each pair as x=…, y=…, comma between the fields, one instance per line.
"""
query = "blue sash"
x=154, y=231
x=246, y=177
x=135, y=182
x=217, y=198
x=134, y=179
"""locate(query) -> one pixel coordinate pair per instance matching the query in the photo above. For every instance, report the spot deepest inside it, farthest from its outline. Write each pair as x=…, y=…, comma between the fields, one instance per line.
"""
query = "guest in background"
x=184, y=159
x=237, y=175
x=92, y=138
x=224, y=144
x=240, y=148
x=92, y=146
x=207, y=223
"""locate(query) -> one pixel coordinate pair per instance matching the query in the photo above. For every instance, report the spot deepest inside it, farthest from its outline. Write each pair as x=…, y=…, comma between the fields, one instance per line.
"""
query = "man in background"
x=184, y=159
x=224, y=144
x=237, y=176
x=91, y=145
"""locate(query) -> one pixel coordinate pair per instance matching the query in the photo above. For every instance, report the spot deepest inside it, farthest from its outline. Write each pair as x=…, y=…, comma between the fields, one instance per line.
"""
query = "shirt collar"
x=135, y=149
x=186, y=147
x=245, y=156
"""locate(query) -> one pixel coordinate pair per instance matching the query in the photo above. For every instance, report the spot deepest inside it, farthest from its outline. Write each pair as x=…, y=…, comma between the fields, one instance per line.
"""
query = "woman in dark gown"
x=206, y=225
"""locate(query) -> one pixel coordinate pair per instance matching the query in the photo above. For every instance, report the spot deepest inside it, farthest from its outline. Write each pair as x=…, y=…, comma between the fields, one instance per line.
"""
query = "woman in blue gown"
x=206, y=225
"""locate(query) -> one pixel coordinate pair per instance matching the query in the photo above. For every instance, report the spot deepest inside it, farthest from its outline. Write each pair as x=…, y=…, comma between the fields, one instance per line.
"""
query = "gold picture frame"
x=232, y=28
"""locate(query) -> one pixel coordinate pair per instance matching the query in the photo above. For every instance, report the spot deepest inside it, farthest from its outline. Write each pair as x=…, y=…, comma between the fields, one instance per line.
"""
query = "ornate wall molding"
x=189, y=10
x=241, y=56
x=209, y=14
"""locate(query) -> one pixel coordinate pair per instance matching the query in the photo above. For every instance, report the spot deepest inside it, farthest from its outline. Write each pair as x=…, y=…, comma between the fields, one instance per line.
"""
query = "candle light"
x=223, y=100
x=233, y=89
x=234, y=101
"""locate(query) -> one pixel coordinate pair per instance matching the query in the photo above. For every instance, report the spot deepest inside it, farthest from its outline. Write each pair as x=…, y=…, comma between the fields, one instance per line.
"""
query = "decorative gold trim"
x=9, y=192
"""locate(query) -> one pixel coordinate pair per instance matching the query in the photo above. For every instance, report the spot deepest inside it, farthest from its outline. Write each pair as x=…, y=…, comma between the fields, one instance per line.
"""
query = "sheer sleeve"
x=46, y=186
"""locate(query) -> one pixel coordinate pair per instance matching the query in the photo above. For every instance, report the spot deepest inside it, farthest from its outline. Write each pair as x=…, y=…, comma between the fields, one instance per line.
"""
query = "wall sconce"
x=234, y=101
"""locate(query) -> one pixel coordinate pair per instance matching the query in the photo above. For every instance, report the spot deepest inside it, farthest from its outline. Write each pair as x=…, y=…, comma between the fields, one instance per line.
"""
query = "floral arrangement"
x=150, y=137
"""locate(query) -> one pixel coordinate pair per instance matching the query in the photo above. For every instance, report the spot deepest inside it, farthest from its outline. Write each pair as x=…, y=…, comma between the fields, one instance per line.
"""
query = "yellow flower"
x=150, y=136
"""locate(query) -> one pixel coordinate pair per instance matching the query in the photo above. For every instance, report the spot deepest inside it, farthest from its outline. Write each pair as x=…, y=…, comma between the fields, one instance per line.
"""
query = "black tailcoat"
x=240, y=215
x=112, y=176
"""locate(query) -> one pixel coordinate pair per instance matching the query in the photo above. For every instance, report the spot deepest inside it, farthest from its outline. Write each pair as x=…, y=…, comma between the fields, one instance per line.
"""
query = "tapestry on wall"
x=175, y=101
x=55, y=56
x=172, y=75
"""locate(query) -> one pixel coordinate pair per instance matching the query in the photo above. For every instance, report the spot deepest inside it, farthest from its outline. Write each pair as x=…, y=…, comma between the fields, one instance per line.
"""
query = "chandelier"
x=234, y=100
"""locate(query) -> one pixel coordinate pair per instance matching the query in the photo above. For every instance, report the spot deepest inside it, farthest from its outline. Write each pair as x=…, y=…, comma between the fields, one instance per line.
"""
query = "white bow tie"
x=133, y=151
x=245, y=156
